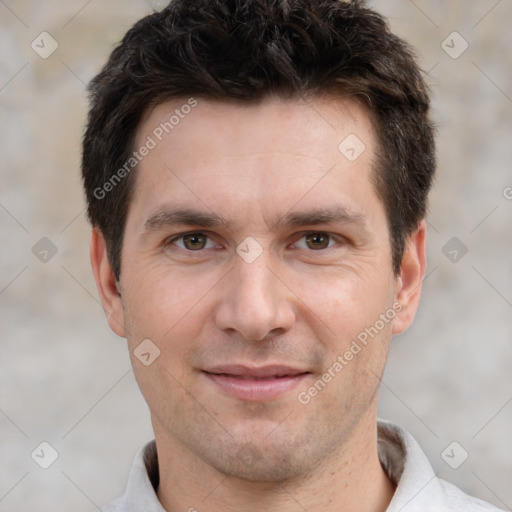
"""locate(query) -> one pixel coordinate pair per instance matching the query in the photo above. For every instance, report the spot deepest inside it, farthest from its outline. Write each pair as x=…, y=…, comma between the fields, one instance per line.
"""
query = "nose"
x=255, y=303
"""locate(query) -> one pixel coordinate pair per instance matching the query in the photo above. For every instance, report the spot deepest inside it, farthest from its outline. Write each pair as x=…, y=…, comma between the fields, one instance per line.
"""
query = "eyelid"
x=338, y=239
x=172, y=239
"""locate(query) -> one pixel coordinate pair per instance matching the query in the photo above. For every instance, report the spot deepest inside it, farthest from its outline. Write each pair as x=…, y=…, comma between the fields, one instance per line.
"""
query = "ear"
x=412, y=272
x=106, y=283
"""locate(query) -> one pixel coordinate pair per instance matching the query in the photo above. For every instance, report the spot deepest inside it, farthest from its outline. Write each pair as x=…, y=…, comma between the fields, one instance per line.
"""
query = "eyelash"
x=332, y=238
x=181, y=237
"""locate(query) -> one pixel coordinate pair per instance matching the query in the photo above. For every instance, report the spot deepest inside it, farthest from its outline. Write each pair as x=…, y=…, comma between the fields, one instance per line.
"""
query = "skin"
x=300, y=303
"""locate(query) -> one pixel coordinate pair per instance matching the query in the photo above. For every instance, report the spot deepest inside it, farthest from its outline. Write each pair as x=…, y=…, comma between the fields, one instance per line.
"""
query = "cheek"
x=347, y=301
x=171, y=314
x=161, y=301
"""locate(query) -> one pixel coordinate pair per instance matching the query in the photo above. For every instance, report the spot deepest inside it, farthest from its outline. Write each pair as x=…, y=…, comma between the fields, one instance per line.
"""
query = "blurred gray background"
x=66, y=379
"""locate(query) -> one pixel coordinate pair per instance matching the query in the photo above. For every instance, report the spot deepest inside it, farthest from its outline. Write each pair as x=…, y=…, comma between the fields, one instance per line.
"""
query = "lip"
x=255, y=383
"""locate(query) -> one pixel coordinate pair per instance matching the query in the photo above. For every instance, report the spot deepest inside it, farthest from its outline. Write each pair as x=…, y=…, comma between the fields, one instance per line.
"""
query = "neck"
x=349, y=479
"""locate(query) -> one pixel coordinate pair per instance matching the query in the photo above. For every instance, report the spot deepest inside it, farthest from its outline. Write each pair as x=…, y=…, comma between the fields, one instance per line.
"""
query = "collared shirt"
x=417, y=487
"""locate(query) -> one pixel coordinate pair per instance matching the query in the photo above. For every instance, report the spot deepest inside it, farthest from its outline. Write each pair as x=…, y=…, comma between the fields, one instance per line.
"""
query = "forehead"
x=317, y=123
x=271, y=154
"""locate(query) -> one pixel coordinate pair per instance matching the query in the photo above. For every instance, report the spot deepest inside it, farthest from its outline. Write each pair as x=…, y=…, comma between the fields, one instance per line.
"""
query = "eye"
x=316, y=240
x=193, y=241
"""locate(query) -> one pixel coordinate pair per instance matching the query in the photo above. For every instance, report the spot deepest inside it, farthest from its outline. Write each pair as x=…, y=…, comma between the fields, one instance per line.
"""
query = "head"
x=257, y=174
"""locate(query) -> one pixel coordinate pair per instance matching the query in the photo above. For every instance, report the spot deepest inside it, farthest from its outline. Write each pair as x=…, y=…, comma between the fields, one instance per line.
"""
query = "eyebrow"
x=170, y=217
x=337, y=214
x=165, y=218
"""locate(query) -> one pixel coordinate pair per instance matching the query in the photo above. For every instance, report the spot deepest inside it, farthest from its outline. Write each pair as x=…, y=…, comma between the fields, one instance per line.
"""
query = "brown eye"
x=317, y=240
x=194, y=241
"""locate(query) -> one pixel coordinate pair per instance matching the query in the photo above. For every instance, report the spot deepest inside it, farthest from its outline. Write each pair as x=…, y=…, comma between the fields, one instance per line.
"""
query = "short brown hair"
x=244, y=50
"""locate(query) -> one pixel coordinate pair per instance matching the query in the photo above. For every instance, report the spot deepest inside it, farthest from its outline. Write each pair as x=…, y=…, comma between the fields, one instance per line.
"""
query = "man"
x=257, y=175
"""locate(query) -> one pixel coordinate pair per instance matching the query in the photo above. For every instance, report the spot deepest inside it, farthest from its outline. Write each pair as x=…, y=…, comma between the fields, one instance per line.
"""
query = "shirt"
x=418, y=489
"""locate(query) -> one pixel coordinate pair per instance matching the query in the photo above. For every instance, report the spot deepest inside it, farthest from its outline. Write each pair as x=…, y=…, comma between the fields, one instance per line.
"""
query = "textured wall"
x=66, y=379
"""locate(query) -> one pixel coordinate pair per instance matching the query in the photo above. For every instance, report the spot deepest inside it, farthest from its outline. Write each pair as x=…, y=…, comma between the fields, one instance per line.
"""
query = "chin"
x=265, y=470
x=261, y=461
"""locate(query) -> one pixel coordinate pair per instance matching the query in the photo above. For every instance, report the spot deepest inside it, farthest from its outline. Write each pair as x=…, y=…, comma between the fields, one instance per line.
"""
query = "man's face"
x=256, y=251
